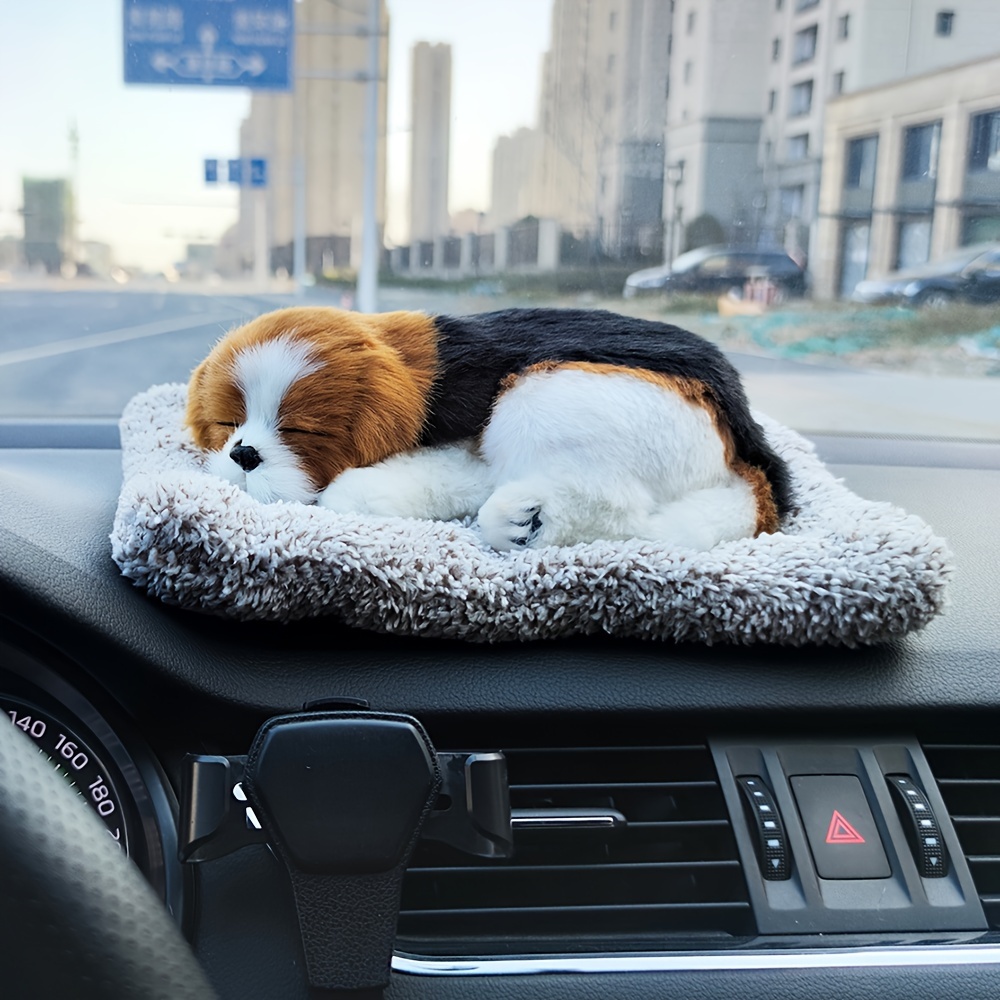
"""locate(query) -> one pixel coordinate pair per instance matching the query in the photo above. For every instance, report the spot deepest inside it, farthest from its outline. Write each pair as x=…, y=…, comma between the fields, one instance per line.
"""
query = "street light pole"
x=368, y=271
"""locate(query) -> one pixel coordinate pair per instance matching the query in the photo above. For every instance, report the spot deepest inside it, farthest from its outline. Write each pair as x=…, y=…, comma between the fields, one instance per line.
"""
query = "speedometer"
x=76, y=759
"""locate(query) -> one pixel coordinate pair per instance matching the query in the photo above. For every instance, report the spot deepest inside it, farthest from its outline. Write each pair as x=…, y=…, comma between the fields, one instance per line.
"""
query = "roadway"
x=67, y=352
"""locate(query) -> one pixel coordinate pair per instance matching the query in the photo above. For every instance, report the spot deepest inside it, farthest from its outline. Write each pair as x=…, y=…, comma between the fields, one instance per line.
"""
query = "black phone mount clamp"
x=343, y=797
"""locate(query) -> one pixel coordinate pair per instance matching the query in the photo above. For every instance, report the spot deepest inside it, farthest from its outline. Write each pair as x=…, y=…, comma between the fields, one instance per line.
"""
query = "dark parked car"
x=971, y=274
x=717, y=269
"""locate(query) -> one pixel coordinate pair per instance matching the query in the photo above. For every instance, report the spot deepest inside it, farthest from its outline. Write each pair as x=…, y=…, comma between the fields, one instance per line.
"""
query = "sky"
x=141, y=148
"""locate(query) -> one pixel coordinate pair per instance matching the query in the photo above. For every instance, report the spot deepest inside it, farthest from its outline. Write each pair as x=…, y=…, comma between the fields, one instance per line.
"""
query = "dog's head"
x=287, y=402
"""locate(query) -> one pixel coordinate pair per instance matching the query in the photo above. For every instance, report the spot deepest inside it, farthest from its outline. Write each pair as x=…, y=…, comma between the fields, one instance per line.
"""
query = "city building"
x=817, y=50
x=594, y=162
x=319, y=125
x=430, y=124
x=48, y=214
x=910, y=171
x=716, y=85
x=749, y=89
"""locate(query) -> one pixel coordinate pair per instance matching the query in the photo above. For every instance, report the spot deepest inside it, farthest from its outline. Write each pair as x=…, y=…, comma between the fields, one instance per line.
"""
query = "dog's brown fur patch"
x=369, y=400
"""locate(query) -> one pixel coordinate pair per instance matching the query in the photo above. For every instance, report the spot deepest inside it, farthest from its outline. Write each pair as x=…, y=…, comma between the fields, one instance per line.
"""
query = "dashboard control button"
x=839, y=825
x=923, y=832
x=769, y=831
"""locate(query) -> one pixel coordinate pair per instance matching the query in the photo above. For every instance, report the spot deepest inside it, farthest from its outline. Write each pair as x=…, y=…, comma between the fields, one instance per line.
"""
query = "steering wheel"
x=78, y=918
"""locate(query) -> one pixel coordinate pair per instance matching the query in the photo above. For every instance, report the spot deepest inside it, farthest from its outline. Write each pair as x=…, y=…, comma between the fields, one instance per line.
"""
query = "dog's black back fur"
x=478, y=352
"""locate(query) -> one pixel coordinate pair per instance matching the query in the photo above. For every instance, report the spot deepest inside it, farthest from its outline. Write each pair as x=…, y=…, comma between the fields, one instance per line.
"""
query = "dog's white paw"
x=512, y=522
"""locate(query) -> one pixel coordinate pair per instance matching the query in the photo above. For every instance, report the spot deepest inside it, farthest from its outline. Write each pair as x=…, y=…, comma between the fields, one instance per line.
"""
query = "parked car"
x=971, y=274
x=717, y=269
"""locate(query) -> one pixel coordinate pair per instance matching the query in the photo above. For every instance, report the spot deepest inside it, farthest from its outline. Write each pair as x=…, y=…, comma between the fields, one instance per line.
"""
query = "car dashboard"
x=642, y=775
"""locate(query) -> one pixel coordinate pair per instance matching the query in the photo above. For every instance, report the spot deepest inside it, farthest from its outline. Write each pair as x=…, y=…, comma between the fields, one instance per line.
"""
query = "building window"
x=984, y=143
x=861, y=155
x=804, y=45
x=772, y=99
x=690, y=22
x=800, y=101
x=981, y=226
x=838, y=82
x=920, y=152
x=767, y=151
x=687, y=71
x=778, y=4
x=792, y=200
x=853, y=255
x=776, y=50
x=944, y=22
x=913, y=242
x=805, y=4
x=611, y=62
x=844, y=26
x=612, y=20
x=797, y=147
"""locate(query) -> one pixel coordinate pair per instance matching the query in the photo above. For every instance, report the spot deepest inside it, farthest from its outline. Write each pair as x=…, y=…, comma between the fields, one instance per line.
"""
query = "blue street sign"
x=235, y=171
x=237, y=43
x=258, y=173
x=211, y=171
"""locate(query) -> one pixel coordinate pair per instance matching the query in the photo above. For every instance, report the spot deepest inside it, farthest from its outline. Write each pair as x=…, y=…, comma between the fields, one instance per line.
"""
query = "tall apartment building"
x=817, y=50
x=322, y=120
x=430, y=120
x=595, y=160
x=48, y=214
x=749, y=86
x=713, y=115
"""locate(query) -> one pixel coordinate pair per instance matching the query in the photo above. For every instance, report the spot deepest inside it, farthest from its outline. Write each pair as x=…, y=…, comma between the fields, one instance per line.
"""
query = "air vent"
x=668, y=876
x=969, y=780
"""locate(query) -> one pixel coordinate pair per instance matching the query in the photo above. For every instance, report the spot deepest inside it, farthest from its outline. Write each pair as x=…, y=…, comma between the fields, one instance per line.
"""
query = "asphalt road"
x=69, y=352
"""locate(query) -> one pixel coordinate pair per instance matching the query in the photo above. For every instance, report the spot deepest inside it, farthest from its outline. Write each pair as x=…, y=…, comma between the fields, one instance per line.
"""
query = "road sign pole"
x=299, y=183
x=368, y=271
x=261, y=268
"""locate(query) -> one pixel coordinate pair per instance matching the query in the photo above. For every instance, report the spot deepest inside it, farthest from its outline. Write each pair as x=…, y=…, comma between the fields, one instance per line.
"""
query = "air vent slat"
x=593, y=908
x=670, y=871
x=621, y=869
x=968, y=778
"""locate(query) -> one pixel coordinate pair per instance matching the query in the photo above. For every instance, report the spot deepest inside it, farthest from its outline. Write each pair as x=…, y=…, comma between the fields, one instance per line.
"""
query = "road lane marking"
x=85, y=343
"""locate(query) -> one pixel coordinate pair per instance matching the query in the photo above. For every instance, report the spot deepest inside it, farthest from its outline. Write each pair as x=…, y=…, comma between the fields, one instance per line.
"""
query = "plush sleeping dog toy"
x=551, y=426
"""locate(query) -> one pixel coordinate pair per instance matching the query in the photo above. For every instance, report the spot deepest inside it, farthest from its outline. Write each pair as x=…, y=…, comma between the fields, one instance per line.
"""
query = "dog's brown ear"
x=415, y=336
x=194, y=411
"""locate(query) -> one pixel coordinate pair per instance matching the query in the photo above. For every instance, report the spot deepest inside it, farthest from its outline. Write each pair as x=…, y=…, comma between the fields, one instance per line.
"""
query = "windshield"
x=171, y=168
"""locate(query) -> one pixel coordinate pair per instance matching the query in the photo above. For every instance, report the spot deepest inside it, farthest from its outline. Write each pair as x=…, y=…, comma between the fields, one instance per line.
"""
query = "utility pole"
x=367, y=287
x=368, y=272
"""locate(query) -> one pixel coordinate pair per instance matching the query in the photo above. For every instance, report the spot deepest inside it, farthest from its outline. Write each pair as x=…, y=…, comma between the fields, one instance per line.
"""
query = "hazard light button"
x=839, y=826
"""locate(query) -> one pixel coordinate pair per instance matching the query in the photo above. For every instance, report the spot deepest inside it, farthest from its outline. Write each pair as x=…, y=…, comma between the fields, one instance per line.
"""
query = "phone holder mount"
x=343, y=797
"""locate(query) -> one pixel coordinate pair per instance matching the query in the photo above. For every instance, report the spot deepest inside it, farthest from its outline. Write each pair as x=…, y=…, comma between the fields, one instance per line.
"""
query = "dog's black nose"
x=246, y=457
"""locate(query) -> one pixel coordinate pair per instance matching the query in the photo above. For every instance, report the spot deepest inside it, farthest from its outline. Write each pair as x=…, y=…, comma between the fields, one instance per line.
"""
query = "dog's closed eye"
x=301, y=430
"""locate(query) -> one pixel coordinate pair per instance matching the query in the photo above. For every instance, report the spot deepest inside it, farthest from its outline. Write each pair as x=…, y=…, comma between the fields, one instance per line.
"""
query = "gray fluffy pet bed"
x=844, y=571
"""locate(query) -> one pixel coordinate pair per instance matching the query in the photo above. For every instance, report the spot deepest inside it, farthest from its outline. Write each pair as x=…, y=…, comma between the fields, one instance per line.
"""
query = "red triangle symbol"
x=841, y=832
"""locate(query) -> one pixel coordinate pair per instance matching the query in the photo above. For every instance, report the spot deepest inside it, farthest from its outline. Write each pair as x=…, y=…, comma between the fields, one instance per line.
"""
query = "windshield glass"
x=171, y=168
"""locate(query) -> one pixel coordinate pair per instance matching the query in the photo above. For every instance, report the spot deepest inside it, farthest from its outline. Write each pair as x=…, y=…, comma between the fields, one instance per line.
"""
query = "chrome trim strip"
x=558, y=821
x=735, y=961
